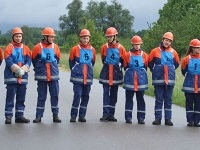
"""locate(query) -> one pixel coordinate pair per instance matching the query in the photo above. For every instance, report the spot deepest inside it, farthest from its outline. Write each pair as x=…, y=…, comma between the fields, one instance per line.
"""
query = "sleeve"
x=176, y=59
x=72, y=58
x=103, y=53
x=27, y=55
x=8, y=57
x=184, y=65
x=126, y=60
x=57, y=54
x=1, y=56
x=94, y=56
x=122, y=53
x=34, y=54
x=145, y=58
x=151, y=60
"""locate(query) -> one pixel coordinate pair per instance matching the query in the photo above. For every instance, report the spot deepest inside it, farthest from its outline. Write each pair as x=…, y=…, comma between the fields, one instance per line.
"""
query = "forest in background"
x=181, y=17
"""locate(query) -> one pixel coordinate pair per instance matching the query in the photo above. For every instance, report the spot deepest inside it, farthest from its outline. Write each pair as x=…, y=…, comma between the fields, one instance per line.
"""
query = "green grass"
x=178, y=96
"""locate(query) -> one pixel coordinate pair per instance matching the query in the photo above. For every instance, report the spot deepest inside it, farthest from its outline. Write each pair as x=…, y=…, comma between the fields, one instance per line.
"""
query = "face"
x=18, y=38
x=110, y=38
x=50, y=38
x=85, y=40
x=136, y=46
x=167, y=42
x=196, y=50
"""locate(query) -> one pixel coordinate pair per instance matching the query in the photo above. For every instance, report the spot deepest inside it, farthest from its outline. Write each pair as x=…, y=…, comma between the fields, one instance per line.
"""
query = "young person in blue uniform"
x=81, y=61
x=111, y=76
x=17, y=63
x=163, y=61
x=45, y=59
x=190, y=68
x=135, y=80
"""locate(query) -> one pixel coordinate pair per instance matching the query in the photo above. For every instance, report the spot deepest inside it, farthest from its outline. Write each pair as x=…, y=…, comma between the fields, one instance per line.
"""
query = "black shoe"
x=168, y=122
x=156, y=122
x=37, y=120
x=141, y=122
x=128, y=121
x=190, y=124
x=73, y=119
x=81, y=119
x=196, y=124
x=104, y=119
x=113, y=119
x=56, y=118
x=8, y=120
x=22, y=120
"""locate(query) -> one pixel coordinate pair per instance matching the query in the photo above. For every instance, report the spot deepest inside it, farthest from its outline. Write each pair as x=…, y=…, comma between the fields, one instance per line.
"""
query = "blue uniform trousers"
x=163, y=93
x=81, y=93
x=192, y=107
x=18, y=90
x=42, y=96
x=141, y=109
x=109, y=99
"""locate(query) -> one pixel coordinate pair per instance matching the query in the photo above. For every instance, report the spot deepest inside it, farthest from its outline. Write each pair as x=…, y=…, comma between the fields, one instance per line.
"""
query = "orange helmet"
x=84, y=32
x=168, y=35
x=17, y=30
x=195, y=43
x=136, y=40
x=111, y=31
x=48, y=31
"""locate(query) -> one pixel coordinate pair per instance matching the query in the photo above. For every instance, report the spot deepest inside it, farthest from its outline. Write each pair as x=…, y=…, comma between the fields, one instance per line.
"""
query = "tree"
x=97, y=11
x=101, y=13
x=97, y=36
x=114, y=15
x=70, y=24
x=181, y=18
x=120, y=19
x=27, y=34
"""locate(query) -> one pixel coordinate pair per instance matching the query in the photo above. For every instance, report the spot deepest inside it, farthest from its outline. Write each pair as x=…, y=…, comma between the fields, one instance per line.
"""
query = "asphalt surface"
x=92, y=135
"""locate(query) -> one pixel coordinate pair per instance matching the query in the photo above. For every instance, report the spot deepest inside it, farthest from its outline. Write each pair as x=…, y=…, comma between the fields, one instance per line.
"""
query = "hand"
x=26, y=68
x=21, y=72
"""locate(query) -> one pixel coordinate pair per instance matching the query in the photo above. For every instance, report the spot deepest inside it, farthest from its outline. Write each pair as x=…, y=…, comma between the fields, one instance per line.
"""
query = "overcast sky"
x=43, y=13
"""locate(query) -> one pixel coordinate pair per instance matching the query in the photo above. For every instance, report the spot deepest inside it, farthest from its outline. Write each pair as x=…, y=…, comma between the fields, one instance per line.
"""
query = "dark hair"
x=189, y=50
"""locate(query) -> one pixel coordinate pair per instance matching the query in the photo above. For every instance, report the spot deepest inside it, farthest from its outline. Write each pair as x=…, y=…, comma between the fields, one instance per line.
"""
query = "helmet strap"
x=114, y=39
x=46, y=39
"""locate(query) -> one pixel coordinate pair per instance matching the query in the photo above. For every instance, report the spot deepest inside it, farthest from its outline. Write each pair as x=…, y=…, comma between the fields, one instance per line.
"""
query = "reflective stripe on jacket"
x=162, y=63
x=191, y=70
x=135, y=78
x=45, y=59
x=20, y=55
x=113, y=59
x=81, y=61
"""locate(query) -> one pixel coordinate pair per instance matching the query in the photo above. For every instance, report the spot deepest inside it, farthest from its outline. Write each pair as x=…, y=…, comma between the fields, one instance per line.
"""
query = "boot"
x=22, y=120
x=156, y=122
x=81, y=119
x=56, y=118
x=168, y=122
x=190, y=124
x=113, y=119
x=128, y=121
x=141, y=122
x=196, y=124
x=73, y=119
x=37, y=120
x=8, y=120
x=104, y=119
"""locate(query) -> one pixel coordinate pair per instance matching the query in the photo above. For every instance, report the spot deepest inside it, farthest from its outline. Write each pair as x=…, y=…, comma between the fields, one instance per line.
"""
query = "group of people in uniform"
x=162, y=62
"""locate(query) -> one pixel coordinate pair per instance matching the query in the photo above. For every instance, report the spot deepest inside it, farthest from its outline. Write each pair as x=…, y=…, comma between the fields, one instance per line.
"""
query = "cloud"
x=43, y=13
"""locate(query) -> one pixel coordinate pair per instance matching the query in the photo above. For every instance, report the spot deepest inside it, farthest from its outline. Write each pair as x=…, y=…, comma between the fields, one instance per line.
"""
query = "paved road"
x=92, y=135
